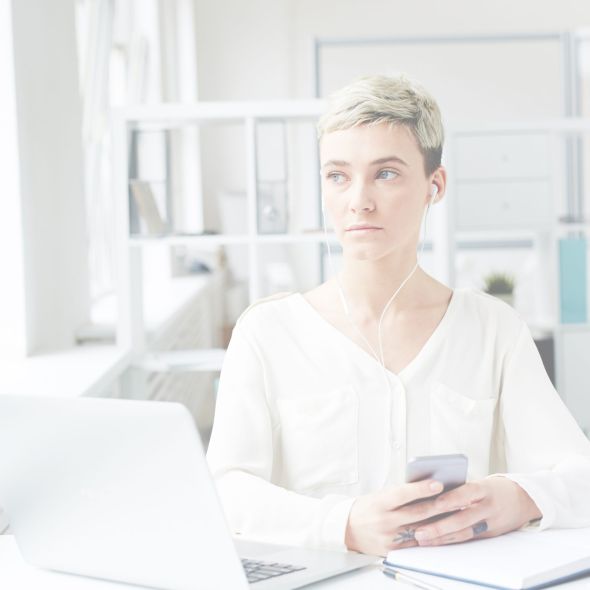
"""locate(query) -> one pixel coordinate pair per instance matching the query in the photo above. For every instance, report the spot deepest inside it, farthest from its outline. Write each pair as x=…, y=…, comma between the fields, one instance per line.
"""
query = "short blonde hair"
x=388, y=99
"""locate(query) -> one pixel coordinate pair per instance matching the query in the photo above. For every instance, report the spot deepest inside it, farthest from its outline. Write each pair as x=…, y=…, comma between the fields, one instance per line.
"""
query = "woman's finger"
x=418, y=512
x=465, y=495
x=410, y=492
x=478, y=530
x=401, y=539
x=459, y=521
x=403, y=535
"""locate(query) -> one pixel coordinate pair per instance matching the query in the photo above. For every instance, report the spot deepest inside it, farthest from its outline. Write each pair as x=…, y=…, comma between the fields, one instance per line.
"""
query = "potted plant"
x=500, y=285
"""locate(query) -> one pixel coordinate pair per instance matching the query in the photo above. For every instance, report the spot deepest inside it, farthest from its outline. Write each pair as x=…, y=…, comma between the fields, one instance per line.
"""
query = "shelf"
x=150, y=116
x=220, y=240
x=581, y=327
x=575, y=125
x=464, y=240
x=182, y=361
x=470, y=180
x=82, y=370
x=564, y=226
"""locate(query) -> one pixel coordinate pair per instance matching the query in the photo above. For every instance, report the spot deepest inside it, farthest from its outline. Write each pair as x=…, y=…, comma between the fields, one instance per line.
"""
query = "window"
x=119, y=50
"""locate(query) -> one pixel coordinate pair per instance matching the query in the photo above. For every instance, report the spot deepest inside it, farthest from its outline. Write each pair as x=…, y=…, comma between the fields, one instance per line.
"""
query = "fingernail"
x=436, y=486
x=421, y=536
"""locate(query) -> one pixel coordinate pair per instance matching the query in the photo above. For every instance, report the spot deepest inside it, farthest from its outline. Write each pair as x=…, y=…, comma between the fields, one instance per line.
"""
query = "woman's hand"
x=380, y=522
x=488, y=508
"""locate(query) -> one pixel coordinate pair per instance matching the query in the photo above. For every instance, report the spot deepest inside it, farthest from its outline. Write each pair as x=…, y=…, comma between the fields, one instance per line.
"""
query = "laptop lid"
x=114, y=489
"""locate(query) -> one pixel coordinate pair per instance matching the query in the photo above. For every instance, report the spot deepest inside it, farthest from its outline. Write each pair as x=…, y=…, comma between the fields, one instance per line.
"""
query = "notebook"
x=516, y=561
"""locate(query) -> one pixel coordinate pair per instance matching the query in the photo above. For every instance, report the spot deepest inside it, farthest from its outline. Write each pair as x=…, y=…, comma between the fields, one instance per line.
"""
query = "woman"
x=325, y=396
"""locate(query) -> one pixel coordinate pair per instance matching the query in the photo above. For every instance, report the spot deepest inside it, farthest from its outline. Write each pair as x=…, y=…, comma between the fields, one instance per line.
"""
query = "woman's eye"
x=336, y=177
x=387, y=174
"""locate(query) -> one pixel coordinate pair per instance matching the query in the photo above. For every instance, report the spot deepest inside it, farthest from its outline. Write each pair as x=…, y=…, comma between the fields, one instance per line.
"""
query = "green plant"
x=499, y=284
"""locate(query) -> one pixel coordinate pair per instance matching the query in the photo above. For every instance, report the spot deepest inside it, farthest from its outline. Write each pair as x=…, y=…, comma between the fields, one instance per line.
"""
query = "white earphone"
x=433, y=193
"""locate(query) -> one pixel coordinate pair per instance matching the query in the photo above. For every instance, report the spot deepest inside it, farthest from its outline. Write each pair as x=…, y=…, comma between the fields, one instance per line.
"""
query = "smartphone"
x=450, y=470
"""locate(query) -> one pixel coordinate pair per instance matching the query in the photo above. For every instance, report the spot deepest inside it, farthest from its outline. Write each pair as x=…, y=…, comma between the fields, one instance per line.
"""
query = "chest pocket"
x=460, y=424
x=319, y=437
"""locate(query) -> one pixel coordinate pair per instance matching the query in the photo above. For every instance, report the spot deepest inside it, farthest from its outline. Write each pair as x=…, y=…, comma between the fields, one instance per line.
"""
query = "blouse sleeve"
x=240, y=456
x=547, y=453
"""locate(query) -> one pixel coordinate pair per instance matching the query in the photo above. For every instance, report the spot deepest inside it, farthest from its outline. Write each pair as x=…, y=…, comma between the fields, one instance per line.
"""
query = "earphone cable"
x=378, y=357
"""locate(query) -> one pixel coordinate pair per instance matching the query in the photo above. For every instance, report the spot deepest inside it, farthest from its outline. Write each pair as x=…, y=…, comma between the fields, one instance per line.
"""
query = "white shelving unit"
x=446, y=227
x=532, y=213
x=130, y=330
x=524, y=179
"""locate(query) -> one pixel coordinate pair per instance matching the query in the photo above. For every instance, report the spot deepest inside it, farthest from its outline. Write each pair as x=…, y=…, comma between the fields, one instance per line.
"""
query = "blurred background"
x=160, y=174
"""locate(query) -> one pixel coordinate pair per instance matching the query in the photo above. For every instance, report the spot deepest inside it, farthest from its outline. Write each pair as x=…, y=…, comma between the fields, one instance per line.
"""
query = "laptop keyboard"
x=256, y=571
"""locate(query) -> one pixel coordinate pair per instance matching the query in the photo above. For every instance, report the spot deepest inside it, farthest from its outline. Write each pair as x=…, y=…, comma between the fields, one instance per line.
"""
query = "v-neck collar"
x=411, y=367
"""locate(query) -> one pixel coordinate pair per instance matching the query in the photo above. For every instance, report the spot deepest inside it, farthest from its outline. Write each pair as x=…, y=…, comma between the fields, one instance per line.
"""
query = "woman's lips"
x=362, y=229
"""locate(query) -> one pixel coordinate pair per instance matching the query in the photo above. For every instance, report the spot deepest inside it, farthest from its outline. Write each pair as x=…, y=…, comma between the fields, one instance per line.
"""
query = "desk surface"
x=17, y=575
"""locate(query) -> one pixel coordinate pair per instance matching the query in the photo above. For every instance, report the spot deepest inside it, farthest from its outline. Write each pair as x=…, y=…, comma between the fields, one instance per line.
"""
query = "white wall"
x=12, y=300
x=373, y=18
x=51, y=171
x=264, y=49
x=244, y=49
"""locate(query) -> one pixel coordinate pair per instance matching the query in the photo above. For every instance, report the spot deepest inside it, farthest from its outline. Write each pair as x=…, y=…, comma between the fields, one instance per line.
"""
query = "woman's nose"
x=361, y=199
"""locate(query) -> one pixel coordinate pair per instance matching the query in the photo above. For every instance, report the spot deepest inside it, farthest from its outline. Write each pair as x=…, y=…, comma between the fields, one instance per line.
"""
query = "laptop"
x=120, y=490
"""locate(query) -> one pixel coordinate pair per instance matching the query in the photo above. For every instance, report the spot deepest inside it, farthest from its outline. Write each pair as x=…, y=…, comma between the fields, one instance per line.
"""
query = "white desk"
x=15, y=574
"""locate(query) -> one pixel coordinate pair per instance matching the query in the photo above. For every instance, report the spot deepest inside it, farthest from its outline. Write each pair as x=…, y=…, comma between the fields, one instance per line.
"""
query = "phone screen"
x=450, y=470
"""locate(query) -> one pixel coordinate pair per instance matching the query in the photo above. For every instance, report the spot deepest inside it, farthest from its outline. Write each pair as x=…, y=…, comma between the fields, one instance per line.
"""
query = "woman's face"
x=375, y=189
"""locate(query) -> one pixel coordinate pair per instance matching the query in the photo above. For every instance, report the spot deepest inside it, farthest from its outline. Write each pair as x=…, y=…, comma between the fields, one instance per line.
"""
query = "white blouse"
x=305, y=420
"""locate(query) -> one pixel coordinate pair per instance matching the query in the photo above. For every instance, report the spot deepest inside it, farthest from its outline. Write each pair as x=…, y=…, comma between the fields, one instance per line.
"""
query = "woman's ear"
x=438, y=183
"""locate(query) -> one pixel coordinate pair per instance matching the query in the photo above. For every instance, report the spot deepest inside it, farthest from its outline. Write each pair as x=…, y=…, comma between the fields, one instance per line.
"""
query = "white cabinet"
x=504, y=181
x=502, y=156
x=504, y=205
x=573, y=370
